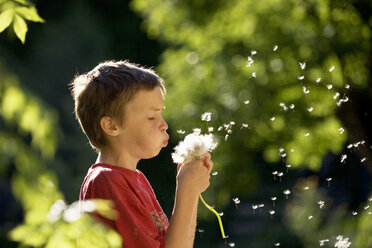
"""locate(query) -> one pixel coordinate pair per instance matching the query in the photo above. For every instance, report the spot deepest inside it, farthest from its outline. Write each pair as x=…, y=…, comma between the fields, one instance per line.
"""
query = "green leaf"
x=24, y=2
x=20, y=27
x=6, y=18
x=29, y=13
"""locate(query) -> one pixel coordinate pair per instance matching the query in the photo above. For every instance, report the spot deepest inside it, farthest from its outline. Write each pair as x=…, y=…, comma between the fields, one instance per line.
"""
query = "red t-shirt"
x=141, y=221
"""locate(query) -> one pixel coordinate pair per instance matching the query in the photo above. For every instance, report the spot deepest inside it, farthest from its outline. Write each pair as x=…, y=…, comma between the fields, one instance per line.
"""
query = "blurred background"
x=287, y=83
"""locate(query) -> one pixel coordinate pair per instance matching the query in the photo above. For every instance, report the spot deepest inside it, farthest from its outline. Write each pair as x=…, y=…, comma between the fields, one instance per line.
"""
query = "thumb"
x=179, y=167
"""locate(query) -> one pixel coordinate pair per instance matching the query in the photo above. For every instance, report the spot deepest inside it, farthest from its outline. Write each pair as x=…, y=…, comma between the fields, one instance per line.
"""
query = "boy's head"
x=105, y=91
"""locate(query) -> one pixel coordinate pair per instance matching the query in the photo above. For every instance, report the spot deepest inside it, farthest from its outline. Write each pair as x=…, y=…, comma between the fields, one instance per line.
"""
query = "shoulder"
x=109, y=176
x=104, y=179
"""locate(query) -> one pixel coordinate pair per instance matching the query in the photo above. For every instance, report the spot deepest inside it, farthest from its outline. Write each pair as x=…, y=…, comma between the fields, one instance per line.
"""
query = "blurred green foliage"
x=310, y=217
x=219, y=55
x=15, y=13
x=222, y=54
x=33, y=184
x=29, y=140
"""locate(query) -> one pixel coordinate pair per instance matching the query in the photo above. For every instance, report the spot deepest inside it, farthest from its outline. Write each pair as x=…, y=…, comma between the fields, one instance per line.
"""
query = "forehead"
x=148, y=99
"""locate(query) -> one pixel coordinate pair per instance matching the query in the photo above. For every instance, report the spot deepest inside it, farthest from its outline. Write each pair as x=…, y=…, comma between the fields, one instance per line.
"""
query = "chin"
x=148, y=156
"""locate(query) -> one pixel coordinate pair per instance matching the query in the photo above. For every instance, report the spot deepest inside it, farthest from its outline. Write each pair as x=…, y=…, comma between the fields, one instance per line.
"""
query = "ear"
x=109, y=126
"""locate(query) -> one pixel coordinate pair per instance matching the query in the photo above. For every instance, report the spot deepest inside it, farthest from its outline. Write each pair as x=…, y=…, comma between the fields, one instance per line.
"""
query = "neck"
x=121, y=159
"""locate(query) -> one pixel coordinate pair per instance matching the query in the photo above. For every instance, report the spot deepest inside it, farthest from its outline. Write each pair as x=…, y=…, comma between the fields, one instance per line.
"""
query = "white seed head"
x=193, y=147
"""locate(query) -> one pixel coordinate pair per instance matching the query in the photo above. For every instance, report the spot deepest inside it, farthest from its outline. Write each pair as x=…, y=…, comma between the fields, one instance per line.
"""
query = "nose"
x=164, y=125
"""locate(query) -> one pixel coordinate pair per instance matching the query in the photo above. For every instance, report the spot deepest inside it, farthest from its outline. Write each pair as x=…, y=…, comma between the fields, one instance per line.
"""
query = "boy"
x=119, y=107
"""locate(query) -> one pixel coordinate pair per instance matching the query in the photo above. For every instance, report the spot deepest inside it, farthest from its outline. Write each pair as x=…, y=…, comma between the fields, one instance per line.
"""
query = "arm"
x=192, y=180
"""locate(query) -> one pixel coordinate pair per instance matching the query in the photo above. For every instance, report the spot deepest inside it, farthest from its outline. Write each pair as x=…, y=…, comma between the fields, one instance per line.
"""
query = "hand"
x=193, y=178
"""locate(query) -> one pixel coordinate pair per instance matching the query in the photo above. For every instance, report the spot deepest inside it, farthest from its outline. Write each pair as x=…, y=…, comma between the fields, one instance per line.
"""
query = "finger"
x=209, y=165
x=207, y=155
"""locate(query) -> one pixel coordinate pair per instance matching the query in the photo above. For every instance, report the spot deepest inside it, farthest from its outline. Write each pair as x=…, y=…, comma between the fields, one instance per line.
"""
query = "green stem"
x=215, y=212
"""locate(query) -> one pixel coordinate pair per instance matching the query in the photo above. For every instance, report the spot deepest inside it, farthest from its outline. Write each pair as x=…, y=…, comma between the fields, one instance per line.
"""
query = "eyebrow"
x=157, y=109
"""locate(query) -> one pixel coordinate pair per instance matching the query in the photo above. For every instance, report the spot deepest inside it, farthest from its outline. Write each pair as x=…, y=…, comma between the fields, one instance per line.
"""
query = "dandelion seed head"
x=206, y=116
x=283, y=106
x=193, y=147
x=322, y=242
x=254, y=207
x=310, y=217
x=310, y=109
x=306, y=188
x=342, y=100
x=362, y=160
x=220, y=128
x=329, y=179
x=307, y=134
x=220, y=214
x=210, y=129
x=277, y=244
x=287, y=192
x=273, y=198
x=342, y=242
x=304, y=90
x=366, y=207
x=301, y=77
x=232, y=244
x=244, y=125
x=280, y=174
x=318, y=80
x=180, y=131
x=275, y=48
x=329, y=86
x=341, y=130
x=214, y=173
x=196, y=131
x=347, y=86
x=354, y=213
x=246, y=102
x=261, y=205
x=288, y=166
x=331, y=69
x=254, y=74
x=343, y=158
x=226, y=137
x=253, y=52
x=274, y=173
x=272, y=212
x=291, y=106
x=302, y=65
x=236, y=200
x=272, y=118
x=336, y=95
x=250, y=61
